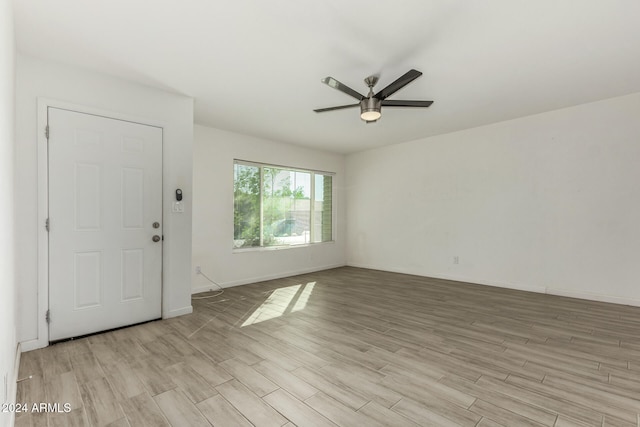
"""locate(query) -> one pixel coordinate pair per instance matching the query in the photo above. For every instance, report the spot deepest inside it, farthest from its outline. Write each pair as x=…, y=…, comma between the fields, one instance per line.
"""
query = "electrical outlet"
x=456, y=259
x=178, y=207
x=198, y=269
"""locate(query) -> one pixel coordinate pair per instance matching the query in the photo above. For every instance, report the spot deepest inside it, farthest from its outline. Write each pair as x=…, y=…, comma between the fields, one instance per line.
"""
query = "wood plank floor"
x=352, y=347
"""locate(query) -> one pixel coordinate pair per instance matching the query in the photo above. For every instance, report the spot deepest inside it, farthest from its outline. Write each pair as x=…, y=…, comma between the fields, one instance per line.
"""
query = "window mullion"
x=312, y=208
x=261, y=206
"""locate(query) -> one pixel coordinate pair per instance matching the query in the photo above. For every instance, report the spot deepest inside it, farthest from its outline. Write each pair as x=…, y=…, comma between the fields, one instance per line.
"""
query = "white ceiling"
x=255, y=67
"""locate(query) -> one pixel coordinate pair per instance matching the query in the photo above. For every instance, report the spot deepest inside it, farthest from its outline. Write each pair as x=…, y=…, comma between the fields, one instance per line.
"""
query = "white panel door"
x=105, y=194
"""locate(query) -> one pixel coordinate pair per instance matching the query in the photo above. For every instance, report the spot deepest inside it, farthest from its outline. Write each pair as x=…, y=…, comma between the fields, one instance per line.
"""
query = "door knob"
x=156, y=238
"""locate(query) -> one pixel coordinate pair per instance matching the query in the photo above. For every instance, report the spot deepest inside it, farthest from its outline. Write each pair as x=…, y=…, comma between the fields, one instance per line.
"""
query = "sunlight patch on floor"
x=281, y=301
x=301, y=303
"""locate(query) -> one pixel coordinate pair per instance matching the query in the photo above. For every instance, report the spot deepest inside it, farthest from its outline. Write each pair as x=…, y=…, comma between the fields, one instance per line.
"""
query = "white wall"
x=37, y=78
x=213, y=153
x=8, y=342
x=547, y=203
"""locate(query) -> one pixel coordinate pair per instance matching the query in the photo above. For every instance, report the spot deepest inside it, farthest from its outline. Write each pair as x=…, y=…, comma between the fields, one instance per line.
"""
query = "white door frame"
x=43, y=207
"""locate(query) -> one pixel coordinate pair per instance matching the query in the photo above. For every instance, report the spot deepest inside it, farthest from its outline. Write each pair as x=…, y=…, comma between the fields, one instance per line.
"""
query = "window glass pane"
x=323, y=231
x=286, y=207
x=301, y=211
x=246, y=212
x=273, y=206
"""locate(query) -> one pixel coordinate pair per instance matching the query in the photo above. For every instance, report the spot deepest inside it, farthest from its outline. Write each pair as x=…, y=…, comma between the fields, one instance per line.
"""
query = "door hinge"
x=46, y=131
x=46, y=224
x=48, y=316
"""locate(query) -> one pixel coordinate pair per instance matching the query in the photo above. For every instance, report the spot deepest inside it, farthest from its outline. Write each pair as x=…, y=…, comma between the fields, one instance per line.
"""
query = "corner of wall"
x=9, y=348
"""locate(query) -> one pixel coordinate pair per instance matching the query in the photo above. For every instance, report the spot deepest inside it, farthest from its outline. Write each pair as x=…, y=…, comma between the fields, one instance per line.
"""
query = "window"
x=278, y=206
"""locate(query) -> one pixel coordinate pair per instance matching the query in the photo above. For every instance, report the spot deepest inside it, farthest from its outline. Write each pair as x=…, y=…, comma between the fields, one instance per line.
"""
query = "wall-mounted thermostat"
x=178, y=206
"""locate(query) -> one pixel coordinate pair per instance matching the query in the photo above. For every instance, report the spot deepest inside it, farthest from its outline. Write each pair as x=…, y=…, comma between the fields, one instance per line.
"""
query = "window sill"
x=279, y=248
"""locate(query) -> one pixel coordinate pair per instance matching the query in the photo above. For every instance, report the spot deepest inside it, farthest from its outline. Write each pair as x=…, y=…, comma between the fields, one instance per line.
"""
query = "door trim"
x=43, y=207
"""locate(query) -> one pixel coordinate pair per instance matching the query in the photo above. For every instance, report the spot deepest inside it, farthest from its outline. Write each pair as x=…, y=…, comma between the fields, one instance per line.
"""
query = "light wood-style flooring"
x=352, y=347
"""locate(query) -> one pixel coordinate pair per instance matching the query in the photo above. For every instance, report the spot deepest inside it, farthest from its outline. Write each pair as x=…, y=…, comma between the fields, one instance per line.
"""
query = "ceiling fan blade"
x=393, y=103
x=330, y=81
x=340, y=107
x=407, y=78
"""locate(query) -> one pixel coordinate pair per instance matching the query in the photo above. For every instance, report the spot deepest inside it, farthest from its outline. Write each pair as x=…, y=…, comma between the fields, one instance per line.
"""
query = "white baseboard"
x=590, y=296
x=178, y=312
x=538, y=289
x=594, y=297
x=518, y=287
x=32, y=345
x=249, y=280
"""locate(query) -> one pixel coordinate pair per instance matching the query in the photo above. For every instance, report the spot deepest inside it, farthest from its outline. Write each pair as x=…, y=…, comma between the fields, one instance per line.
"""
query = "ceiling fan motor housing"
x=370, y=109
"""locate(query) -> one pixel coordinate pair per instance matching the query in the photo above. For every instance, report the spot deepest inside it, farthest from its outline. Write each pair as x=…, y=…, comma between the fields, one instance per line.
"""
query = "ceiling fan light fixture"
x=370, y=115
x=370, y=109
